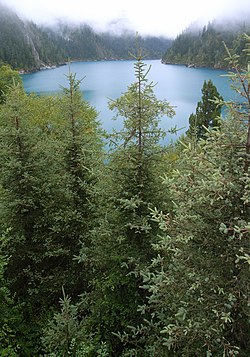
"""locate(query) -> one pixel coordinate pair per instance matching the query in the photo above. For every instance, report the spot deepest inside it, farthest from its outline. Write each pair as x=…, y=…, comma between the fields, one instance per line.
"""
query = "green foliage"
x=200, y=273
x=240, y=79
x=50, y=161
x=63, y=331
x=8, y=312
x=89, y=349
x=66, y=334
x=198, y=283
x=204, y=47
x=25, y=181
x=122, y=242
x=7, y=78
x=138, y=153
x=150, y=243
x=208, y=111
x=80, y=151
x=25, y=45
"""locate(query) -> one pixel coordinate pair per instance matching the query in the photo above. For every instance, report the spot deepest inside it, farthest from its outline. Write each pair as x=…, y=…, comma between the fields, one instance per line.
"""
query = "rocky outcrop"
x=35, y=54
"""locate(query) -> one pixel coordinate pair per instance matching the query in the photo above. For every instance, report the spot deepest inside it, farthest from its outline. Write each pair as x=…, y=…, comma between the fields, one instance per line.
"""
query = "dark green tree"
x=122, y=244
x=203, y=47
x=7, y=77
x=63, y=331
x=207, y=111
x=199, y=283
x=50, y=156
x=25, y=186
x=9, y=314
x=74, y=212
x=80, y=153
x=240, y=83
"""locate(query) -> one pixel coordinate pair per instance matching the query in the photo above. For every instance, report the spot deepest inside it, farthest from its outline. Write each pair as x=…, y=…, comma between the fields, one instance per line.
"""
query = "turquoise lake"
x=105, y=80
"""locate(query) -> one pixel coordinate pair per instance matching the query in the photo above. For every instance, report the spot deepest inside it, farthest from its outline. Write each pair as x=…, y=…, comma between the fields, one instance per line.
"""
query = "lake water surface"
x=104, y=80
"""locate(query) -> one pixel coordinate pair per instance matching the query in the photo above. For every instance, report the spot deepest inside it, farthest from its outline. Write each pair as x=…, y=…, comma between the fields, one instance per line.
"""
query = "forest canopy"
x=204, y=47
x=140, y=250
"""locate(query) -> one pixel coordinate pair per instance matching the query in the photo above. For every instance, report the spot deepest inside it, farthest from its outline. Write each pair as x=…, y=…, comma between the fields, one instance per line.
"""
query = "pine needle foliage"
x=198, y=284
x=63, y=331
x=80, y=152
x=50, y=160
x=24, y=181
x=207, y=113
x=123, y=242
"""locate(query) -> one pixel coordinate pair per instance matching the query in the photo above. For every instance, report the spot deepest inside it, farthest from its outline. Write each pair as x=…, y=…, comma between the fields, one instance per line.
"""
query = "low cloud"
x=161, y=17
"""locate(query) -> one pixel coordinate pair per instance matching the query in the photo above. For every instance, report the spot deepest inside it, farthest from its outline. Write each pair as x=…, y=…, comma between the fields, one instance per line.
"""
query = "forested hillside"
x=82, y=42
x=25, y=45
x=138, y=250
x=204, y=47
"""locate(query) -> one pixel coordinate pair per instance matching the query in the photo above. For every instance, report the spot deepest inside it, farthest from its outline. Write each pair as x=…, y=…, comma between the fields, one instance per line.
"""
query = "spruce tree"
x=74, y=212
x=25, y=185
x=49, y=154
x=7, y=77
x=123, y=242
x=9, y=315
x=207, y=111
x=80, y=156
x=20, y=181
x=199, y=284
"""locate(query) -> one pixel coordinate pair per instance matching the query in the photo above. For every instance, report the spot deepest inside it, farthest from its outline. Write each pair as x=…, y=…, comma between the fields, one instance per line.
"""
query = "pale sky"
x=159, y=17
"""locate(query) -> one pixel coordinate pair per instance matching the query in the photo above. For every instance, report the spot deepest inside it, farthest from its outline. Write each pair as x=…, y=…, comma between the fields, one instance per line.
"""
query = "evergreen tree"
x=73, y=215
x=207, y=111
x=123, y=242
x=199, y=283
x=240, y=83
x=64, y=330
x=9, y=314
x=203, y=47
x=24, y=177
x=49, y=167
x=7, y=78
x=80, y=153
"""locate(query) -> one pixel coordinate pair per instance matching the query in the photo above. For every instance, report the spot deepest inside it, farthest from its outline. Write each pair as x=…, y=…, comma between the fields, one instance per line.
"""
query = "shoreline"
x=195, y=65
x=49, y=67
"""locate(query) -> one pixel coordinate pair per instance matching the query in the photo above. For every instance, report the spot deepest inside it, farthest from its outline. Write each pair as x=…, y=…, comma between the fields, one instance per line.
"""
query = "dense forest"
x=131, y=249
x=203, y=47
x=48, y=46
x=25, y=45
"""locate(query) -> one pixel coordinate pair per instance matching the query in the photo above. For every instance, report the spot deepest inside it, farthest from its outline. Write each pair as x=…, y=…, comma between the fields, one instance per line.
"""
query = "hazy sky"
x=165, y=17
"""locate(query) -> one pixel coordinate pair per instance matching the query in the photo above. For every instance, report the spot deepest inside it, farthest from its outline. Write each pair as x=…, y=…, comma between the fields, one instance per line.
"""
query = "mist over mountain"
x=25, y=45
x=203, y=46
x=28, y=46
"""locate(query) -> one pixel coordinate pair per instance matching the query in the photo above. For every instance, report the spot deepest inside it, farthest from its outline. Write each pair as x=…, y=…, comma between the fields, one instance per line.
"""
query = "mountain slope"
x=13, y=37
x=204, y=47
x=26, y=45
